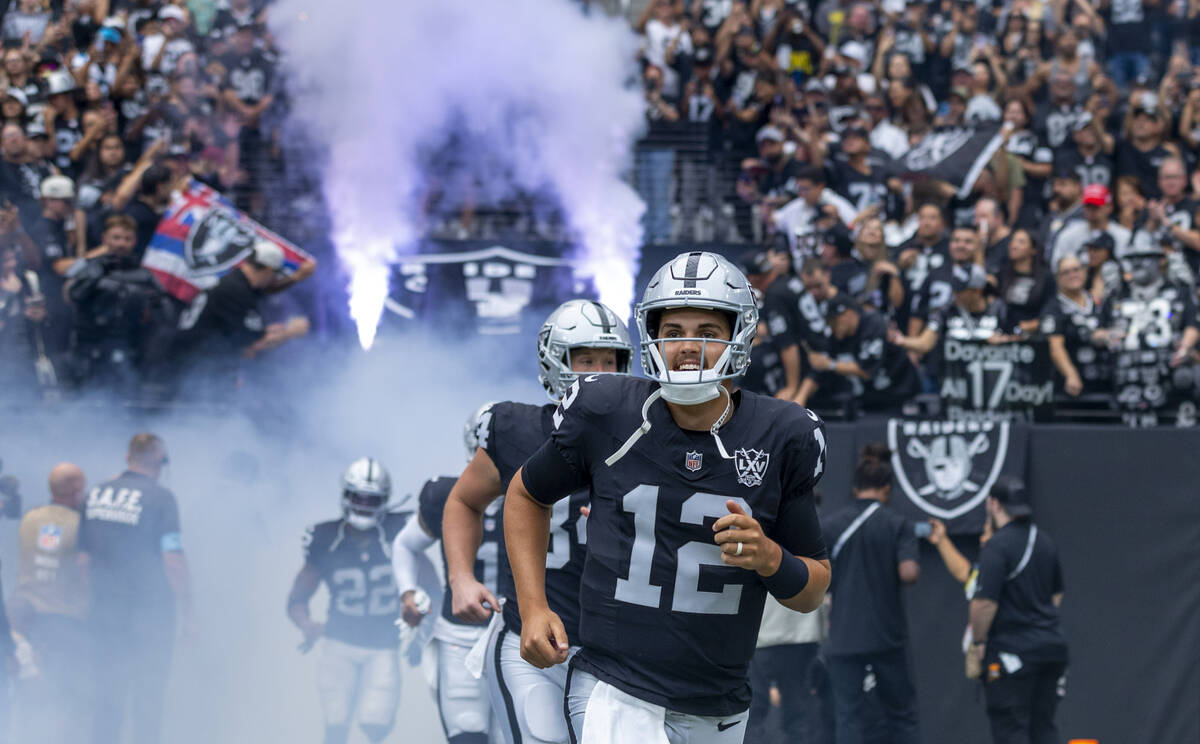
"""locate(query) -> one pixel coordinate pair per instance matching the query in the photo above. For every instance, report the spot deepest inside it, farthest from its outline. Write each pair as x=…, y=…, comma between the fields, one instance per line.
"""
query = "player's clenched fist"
x=543, y=638
x=743, y=543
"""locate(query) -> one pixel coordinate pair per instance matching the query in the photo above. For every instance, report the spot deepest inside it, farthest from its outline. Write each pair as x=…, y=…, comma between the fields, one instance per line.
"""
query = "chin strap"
x=645, y=427
x=638, y=432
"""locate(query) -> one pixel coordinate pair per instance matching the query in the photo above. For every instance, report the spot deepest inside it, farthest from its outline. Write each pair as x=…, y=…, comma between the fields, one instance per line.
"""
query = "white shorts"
x=463, y=701
x=677, y=728
x=374, y=673
x=528, y=702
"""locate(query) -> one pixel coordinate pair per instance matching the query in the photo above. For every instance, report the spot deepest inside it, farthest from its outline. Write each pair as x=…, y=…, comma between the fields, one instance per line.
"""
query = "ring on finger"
x=739, y=549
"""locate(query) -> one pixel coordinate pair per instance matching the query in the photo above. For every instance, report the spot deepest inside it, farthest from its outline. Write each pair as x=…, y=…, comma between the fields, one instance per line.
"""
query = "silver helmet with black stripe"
x=476, y=429
x=578, y=324
x=705, y=281
x=366, y=489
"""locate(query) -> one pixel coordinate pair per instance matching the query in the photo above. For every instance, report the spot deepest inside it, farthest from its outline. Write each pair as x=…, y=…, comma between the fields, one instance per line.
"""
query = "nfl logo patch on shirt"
x=49, y=537
x=693, y=461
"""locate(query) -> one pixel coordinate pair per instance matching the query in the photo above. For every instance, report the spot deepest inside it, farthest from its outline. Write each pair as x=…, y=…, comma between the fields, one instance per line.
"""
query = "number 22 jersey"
x=663, y=618
x=363, y=601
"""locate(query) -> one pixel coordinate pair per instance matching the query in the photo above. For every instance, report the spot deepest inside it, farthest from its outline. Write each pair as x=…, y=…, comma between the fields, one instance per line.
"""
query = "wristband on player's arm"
x=789, y=580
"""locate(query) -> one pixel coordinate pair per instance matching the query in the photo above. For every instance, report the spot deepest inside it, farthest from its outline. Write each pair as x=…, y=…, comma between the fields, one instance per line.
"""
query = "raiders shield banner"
x=944, y=469
x=497, y=289
x=996, y=381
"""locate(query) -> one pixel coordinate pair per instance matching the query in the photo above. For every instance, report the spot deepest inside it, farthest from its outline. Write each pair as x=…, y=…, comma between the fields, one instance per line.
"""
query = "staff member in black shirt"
x=1014, y=621
x=132, y=554
x=874, y=551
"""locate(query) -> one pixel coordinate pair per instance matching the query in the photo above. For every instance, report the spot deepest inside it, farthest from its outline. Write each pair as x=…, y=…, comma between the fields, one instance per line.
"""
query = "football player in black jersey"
x=463, y=702
x=578, y=337
x=694, y=517
x=359, y=666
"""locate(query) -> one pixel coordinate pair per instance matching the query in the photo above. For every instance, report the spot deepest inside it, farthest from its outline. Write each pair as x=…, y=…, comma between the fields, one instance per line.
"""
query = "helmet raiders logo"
x=218, y=241
x=751, y=466
x=947, y=467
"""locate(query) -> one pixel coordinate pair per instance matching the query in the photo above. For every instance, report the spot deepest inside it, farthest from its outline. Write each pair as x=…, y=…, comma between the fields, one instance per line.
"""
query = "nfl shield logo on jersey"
x=751, y=466
x=693, y=461
x=947, y=467
x=49, y=537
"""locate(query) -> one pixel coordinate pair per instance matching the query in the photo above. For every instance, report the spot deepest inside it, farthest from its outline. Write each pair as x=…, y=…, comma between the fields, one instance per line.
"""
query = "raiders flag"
x=944, y=469
x=956, y=155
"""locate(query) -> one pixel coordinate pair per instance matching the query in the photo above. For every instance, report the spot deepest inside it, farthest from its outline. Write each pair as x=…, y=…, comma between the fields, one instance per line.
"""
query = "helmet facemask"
x=691, y=387
x=363, y=510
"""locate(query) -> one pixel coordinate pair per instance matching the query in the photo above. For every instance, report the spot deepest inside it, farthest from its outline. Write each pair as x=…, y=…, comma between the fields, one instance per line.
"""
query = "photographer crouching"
x=122, y=314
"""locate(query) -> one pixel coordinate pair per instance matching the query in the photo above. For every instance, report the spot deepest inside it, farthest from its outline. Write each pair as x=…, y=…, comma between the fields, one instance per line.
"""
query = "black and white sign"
x=944, y=469
x=995, y=381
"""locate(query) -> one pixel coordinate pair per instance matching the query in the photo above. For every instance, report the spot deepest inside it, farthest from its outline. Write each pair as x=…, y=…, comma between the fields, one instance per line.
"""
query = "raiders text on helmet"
x=366, y=488
x=706, y=281
x=578, y=324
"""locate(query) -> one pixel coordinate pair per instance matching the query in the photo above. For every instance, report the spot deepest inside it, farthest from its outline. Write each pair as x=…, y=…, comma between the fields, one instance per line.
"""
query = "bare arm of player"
x=544, y=640
x=982, y=613
x=762, y=555
x=462, y=531
x=180, y=579
x=303, y=588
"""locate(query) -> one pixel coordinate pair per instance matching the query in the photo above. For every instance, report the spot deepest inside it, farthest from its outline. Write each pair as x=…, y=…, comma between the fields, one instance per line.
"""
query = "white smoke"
x=537, y=93
x=248, y=481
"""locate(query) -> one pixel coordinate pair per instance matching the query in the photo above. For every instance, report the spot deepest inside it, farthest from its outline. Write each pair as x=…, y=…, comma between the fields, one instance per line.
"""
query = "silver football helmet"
x=366, y=488
x=476, y=428
x=577, y=324
x=709, y=282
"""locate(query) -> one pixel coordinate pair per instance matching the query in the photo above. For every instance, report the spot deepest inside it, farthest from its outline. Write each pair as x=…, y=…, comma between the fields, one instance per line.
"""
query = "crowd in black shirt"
x=813, y=112
x=110, y=107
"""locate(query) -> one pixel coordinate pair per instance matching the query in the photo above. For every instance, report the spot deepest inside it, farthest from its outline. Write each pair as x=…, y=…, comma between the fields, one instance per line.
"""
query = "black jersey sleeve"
x=562, y=465
x=798, y=529
x=432, y=502
x=779, y=314
x=314, y=544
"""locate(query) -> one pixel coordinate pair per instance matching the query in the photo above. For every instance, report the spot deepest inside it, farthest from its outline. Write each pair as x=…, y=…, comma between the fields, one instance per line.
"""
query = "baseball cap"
x=967, y=276
x=814, y=85
x=172, y=12
x=703, y=56
x=268, y=254
x=1096, y=194
x=35, y=128
x=1064, y=170
x=1010, y=492
x=769, y=132
x=178, y=150
x=960, y=92
x=57, y=187
x=17, y=95
x=1100, y=240
x=754, y=263
x=110, y=34
x=840, y=303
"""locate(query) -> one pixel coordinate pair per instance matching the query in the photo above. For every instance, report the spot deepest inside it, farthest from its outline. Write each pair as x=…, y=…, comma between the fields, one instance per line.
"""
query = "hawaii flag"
x=201, y=237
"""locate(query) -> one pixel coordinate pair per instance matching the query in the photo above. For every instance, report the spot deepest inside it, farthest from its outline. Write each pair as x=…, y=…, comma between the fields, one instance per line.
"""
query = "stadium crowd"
x=821, y=130
x=109, y=109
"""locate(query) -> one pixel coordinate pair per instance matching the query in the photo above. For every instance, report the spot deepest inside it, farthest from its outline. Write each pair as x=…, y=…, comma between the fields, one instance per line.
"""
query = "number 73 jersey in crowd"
x=363, y=601
x=663, y=618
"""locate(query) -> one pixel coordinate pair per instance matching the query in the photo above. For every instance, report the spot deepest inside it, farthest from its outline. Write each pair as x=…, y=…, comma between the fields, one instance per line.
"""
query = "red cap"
x=1096, y=194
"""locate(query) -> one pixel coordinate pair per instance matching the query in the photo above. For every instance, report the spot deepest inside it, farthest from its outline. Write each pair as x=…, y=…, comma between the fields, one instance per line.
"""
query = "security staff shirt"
x=867, y=615
x=1019, y=571
x=128, y=523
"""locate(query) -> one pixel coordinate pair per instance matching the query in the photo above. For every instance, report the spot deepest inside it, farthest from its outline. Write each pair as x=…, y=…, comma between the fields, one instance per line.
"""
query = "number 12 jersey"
x=663, y=619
